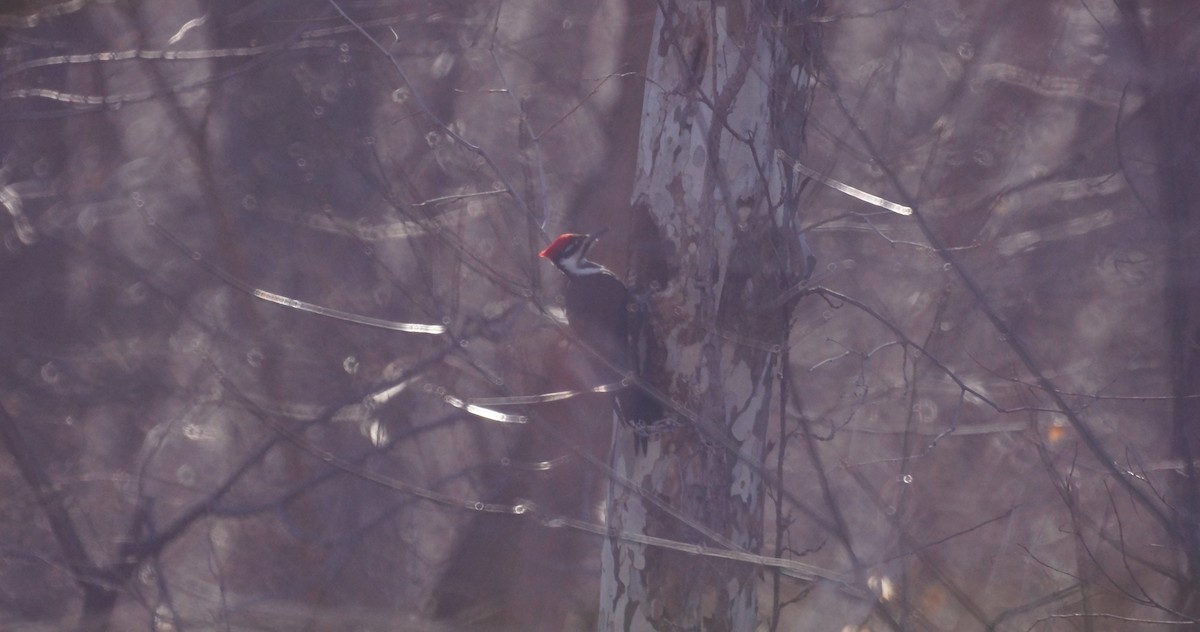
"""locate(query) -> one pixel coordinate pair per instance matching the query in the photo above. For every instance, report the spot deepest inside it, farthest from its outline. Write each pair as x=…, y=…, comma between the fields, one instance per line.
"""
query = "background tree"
x=277, y=344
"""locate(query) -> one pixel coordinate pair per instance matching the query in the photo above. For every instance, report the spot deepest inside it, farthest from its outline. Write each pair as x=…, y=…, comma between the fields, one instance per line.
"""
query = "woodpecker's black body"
x=601, y=312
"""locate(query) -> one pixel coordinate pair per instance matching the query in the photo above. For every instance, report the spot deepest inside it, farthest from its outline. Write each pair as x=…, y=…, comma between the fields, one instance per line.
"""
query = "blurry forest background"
x=220, y=217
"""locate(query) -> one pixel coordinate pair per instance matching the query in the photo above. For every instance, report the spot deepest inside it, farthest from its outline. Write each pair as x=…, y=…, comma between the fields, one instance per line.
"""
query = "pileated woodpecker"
x=600, y=310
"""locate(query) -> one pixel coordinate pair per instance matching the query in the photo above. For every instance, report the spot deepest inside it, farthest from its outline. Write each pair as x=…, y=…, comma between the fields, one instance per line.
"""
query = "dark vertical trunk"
x=1175, y=91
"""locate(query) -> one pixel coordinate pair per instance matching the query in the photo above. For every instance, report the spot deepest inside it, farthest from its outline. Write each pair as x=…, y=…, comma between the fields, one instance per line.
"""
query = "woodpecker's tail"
x=642, y=413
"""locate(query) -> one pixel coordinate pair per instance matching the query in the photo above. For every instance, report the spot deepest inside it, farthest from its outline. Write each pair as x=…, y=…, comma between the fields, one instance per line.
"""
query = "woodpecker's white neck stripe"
x=576, y=265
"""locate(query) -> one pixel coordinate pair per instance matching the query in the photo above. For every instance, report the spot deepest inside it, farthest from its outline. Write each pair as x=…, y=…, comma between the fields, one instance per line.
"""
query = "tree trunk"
x=708, y=177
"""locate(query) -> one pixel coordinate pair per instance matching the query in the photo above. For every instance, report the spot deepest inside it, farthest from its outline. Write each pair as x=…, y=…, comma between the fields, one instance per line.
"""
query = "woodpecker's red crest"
x=564, y=245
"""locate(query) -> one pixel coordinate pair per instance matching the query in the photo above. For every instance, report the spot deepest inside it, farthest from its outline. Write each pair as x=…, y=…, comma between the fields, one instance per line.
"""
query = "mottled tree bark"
x=708, y=177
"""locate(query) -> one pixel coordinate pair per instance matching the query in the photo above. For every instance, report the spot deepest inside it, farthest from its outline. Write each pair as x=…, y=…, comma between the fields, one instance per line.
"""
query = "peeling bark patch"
x=745, y=481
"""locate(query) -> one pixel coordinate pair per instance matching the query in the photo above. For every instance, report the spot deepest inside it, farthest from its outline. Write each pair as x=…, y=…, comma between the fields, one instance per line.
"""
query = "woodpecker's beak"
x=588, y=240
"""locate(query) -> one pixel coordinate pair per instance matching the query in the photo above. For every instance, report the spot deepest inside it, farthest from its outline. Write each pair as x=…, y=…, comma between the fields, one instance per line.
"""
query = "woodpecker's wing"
x=597, y=306
x=600, y=312
x=639, y=340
